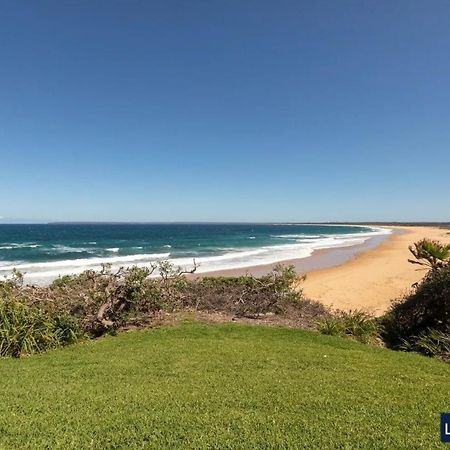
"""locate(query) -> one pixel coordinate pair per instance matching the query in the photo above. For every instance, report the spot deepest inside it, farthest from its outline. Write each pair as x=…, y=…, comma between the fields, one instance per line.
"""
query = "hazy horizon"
x=6, y=221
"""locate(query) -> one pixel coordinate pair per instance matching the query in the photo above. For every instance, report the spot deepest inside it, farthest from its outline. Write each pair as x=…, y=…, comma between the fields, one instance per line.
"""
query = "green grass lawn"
x=223, y=386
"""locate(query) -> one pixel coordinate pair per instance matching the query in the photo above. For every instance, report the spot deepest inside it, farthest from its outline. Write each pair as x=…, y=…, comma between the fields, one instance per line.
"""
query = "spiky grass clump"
x=25, y=329
x=357, y=325
x=432, y=343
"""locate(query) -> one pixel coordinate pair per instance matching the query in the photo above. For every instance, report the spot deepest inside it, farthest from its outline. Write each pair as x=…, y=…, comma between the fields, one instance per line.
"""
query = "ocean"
x=44, y=251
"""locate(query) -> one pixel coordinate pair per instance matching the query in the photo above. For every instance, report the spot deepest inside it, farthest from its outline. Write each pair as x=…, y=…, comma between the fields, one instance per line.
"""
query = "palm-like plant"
x=433, y=254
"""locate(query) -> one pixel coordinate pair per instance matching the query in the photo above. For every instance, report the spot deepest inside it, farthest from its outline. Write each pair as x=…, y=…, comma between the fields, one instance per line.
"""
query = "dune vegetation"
x=93, y=304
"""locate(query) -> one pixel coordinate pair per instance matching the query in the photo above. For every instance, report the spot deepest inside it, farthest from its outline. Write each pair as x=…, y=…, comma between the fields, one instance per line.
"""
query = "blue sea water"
x=45, y=251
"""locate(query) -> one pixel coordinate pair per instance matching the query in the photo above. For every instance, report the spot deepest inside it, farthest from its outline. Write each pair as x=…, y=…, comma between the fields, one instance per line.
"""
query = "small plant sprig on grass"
x=357, y=325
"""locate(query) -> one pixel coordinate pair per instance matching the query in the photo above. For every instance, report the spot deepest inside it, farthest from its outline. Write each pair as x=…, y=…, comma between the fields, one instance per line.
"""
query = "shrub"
x=99, y=302
x=425, y=309
x=25, y=329
x=245, y=296
x=356, y=325
x=103, y=301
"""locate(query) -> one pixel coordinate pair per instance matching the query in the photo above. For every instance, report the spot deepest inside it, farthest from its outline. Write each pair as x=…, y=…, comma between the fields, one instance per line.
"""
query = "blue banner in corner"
x=445, y=427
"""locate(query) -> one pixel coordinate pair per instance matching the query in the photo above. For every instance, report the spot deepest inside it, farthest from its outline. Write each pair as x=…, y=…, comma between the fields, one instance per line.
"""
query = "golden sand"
x=372, y=279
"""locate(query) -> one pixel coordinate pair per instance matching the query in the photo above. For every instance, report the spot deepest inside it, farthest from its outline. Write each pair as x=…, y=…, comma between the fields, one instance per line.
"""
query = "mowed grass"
x=222, y=386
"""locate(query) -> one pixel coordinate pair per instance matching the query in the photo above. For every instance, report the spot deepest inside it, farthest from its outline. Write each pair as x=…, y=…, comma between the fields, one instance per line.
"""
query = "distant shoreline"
x=320, y=259
x=5, y=221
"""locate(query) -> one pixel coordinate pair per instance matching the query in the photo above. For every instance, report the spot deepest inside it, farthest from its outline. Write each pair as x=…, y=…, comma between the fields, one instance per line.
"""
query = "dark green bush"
x=424, y=310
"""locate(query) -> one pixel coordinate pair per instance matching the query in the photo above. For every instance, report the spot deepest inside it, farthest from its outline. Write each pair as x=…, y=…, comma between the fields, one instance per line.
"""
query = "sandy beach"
x=371, y=279
x=366, y=276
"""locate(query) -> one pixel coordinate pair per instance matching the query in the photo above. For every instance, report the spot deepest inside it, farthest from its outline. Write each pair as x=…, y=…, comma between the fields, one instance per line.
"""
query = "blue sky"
x=225, y=110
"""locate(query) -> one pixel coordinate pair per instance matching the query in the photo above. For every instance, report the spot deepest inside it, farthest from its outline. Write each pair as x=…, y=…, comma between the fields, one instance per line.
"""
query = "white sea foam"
x=57, y=248
x=114, y=249
x=297, y=236
x=14, y=245
x=365, y=235
x=242, y=258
